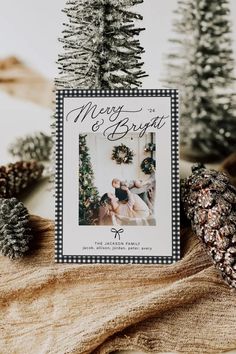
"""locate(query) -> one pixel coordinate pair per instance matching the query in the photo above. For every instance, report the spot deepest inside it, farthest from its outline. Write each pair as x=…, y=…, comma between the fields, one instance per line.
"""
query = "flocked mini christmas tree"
x=101, y=45
x=201, y=66
x=88, y=194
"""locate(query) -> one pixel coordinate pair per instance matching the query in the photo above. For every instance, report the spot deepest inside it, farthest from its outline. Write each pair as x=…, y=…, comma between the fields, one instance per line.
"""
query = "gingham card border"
x=59, y=256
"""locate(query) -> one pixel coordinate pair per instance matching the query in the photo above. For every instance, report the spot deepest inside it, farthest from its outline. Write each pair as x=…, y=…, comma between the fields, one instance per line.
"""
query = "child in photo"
x=137, y=187
x=130, y=206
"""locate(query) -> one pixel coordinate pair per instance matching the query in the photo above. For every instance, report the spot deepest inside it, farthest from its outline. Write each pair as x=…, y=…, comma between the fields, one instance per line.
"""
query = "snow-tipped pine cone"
x=15, y=233
x=209, y=202
x=16, y=177
x=33, y=147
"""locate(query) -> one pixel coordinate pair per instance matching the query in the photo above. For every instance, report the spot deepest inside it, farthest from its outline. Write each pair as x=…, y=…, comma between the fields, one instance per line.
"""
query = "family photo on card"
x=126, y=180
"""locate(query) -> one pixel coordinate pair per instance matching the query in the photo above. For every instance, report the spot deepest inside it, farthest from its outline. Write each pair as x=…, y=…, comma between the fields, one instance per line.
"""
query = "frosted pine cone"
x=33, y=147
x=16, y=177
x=210, y=203
x=15, y=234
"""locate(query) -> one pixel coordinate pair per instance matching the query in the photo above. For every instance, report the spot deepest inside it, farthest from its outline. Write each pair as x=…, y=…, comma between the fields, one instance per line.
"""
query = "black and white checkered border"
x=59, y=177
x=117, y=93
x=114, y=259
x=59, y=256
x=175, y=175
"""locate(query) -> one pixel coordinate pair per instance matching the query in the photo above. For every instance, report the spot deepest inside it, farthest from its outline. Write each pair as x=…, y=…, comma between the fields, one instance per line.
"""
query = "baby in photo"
x=135, y=186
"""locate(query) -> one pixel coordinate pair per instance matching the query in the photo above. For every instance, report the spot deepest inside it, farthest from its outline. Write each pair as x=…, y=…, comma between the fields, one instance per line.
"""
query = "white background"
x=29, y=29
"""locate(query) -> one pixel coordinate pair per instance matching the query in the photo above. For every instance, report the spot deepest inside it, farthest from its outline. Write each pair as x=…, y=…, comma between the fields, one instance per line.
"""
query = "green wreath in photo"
x=122, y=154
x=148, y=165
x=151, y=147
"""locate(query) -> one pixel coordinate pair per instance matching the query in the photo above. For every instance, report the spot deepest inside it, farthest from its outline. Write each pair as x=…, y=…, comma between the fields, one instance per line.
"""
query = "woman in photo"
x=124, y=204
x=144, y=189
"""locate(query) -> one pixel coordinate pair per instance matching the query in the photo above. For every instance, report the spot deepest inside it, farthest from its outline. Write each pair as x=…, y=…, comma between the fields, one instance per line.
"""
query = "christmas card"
x=117, y=176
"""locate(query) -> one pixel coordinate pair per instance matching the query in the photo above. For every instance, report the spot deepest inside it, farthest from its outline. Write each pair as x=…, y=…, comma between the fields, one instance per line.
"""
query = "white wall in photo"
x=105, y=169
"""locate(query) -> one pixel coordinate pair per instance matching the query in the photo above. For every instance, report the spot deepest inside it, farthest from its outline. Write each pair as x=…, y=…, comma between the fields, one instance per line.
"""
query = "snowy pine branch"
x=100, y=45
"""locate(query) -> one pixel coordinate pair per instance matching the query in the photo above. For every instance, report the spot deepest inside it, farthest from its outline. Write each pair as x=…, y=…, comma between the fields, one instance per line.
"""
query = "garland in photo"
x=122, y=154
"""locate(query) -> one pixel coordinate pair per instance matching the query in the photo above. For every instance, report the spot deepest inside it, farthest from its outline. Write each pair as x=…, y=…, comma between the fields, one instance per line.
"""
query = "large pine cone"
x=15, y=234
x=209, y=201
x=14, y=178
x=33, y=147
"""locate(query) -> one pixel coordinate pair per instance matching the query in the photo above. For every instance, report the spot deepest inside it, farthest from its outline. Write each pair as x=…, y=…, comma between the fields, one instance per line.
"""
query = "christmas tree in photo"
x=201, y=66
x=101, y=45
x=88, y=193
